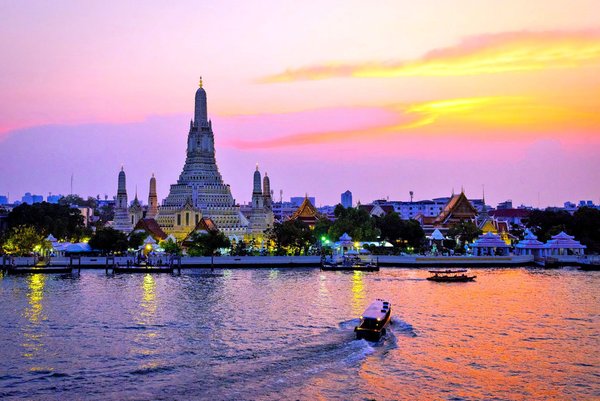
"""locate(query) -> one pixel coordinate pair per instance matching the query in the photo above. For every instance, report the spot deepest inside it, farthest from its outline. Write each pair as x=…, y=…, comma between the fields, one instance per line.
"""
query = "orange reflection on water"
x=494, y=334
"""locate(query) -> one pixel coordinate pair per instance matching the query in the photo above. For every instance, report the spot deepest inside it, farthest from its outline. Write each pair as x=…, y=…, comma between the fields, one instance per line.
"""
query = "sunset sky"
x=377, y=97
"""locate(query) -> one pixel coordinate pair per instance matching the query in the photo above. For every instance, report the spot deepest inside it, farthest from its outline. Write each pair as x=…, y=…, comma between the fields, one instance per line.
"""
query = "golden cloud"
x=484, y=54
x=474, y=117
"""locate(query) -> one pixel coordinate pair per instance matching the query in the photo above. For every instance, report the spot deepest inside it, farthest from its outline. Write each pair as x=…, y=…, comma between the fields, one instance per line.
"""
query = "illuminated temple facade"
x=200, y=191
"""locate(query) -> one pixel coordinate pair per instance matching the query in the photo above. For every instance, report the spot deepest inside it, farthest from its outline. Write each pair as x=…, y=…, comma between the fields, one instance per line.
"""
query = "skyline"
x=360, y=96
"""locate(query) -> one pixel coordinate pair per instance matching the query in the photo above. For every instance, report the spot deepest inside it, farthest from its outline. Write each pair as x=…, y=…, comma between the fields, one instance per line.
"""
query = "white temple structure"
x=563, y=244
x=529, y=245
x=490, y=244
x=200, y=191
x=121, y=220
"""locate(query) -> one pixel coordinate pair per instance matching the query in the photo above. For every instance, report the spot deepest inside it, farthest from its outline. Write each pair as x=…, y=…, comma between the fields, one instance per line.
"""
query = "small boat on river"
x=450, y=276
x=374, y=321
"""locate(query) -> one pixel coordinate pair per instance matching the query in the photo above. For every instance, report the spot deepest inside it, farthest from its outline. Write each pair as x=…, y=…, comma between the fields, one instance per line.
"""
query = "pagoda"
x=200, y=191
x=121, y=220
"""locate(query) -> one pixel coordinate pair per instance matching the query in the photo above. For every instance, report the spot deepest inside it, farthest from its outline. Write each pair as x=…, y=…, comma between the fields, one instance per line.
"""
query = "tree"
x=109, y=240
x=106, y=213
x=136, y=239
x=354, y=221
x=24, y=240
x=207, y=243
x=464, y=231
x=239, y=249
x=170, y=247
x=400, y=233
x=546, y=223
x=74, y=199
x=586, y=228
x=62, y=221
x=292, y=237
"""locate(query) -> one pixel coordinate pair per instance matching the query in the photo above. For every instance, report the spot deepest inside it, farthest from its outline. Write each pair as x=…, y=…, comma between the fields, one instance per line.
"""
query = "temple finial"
x=256, y=166
x=200, y=83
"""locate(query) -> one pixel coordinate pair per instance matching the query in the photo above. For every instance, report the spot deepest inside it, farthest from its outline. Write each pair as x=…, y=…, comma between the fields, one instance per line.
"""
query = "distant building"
x=328, y=211
x=53, y=198
x=87, y=213
x=377, y=210
x=409, y=210
x=31, y=199
x=283, y=210
x=3, y=200
x=346, y=199
x=516, y=217
x=505, y=205
x=299, y=200
x=587, y=203
x=570, y=207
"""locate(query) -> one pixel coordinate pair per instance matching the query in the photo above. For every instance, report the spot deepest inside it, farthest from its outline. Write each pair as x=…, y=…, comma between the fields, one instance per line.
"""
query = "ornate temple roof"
x=151, y=227
x=457, y=208
x=204, y=224
x=565, y=241
x=306, y=212
x=530, y=241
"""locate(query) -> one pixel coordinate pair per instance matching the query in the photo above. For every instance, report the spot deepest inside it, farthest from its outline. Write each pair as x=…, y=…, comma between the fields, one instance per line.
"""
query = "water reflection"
x=32, y=334
x=146, y=337
x=358, y=292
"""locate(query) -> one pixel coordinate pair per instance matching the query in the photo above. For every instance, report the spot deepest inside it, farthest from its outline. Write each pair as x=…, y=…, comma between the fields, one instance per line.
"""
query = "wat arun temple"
x=200, y=199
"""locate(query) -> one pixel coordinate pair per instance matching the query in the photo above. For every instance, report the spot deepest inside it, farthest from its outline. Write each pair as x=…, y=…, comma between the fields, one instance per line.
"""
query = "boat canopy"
x=377, y=310
x=448, y=271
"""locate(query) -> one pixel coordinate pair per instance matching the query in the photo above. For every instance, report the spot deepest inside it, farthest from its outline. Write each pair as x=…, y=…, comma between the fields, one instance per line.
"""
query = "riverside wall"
x=99, y=262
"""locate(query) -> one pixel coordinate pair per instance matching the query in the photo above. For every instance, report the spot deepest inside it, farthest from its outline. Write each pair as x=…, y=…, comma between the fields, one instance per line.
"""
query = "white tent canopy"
x=437, y=235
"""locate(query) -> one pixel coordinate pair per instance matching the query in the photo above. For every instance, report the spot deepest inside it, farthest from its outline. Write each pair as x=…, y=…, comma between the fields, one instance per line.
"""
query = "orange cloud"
x=476, y=117
x=484, y=54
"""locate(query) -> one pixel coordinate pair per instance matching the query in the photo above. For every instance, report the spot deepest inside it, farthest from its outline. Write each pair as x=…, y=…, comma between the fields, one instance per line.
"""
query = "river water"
x=263, y=334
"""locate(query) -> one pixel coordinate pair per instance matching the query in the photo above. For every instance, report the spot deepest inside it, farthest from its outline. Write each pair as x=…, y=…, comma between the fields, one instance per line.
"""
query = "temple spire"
x=200, y=111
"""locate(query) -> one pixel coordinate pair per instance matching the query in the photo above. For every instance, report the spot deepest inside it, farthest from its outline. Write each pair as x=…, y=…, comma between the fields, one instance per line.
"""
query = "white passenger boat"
x=374, y=321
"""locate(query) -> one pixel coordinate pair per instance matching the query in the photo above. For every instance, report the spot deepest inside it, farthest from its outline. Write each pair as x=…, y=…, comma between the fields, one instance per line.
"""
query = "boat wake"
x=402, y=328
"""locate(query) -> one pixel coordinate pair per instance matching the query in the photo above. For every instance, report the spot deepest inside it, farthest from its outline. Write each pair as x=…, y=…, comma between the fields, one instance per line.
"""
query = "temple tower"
x=261, y=216
x=201, y=182
x=257, y=195
x=121, y=220
x=152, y=200
x=268, y=199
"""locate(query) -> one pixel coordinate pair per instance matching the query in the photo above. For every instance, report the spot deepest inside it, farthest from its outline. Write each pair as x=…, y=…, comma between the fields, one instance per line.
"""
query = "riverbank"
x=102, y=262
